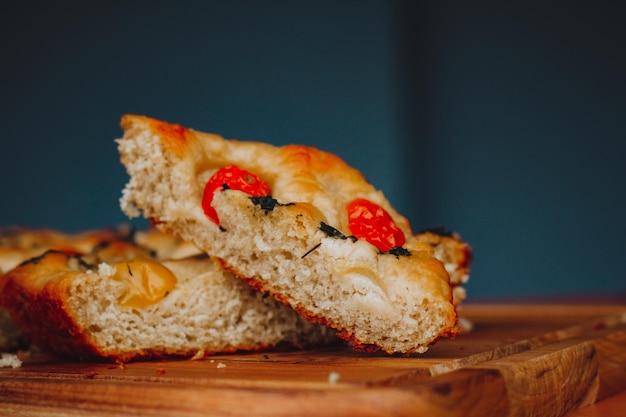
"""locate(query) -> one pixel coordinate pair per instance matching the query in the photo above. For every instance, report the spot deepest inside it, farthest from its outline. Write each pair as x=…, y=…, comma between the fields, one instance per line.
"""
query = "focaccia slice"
x=120, y=302
x=454, y=253
x=296, y=222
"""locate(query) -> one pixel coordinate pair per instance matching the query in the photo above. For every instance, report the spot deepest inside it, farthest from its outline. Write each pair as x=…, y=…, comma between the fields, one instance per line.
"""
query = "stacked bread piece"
x=148, y=295
x=300, y=224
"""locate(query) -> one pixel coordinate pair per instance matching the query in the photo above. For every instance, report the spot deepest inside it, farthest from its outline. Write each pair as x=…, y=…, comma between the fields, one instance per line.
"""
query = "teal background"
x=504, y=122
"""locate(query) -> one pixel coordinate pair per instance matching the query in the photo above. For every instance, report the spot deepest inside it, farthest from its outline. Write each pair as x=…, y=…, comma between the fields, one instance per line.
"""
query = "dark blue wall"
x=505, y=123
x=519, y=113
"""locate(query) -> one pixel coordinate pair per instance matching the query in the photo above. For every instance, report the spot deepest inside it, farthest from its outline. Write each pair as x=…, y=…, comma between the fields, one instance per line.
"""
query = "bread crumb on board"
x=199, y=355
x=221, y=365
x=9, y=360
x=333, y=377
x=465, y=325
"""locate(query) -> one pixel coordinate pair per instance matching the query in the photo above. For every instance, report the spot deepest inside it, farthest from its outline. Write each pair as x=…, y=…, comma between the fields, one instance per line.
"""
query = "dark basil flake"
x=311, y=250
x=399, y=251
x=267, y=203
x=331, y=231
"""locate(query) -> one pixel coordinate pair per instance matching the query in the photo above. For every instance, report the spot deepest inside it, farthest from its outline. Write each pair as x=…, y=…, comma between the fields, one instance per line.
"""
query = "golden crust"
x=169, y=166
x=26, y=293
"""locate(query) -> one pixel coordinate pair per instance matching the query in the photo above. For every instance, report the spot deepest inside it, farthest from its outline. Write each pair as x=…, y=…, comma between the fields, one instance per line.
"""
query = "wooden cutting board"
x=518, y=360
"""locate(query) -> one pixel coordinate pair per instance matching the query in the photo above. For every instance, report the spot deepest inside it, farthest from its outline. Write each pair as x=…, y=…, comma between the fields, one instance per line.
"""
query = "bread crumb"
x=333, y=377
x=199, y=355
x=220, y=365
x=465, y=325
x=9, y=360
x=105, y=270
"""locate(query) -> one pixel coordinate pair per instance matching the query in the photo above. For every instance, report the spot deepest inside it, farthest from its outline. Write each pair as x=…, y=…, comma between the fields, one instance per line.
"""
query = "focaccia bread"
x=18, y=244
x=454, y=253
x=296, y=222
x=121, y=303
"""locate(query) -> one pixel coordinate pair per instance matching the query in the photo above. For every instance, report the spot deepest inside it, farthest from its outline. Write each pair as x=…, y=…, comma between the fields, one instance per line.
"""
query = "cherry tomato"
x=234, y=178
x=370, y=222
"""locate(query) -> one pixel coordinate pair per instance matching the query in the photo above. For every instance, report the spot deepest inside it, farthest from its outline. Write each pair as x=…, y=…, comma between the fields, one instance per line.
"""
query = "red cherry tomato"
x=370, y=222
x=234, y=178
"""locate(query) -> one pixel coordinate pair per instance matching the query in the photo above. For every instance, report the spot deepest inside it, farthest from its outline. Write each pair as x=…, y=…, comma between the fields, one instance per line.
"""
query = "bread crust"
x=398, y=302
x=31, y=305
x=19, y=244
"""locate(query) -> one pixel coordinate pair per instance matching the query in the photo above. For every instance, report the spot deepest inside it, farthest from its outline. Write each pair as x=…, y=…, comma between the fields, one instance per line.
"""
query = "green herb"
x=399, y=251
x=267, y=203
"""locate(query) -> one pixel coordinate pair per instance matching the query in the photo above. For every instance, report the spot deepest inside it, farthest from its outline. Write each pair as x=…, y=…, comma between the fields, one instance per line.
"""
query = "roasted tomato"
x=372, y=223
x=234, y=178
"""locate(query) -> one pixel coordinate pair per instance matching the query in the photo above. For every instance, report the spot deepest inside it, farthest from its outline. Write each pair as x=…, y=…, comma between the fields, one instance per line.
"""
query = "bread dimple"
x=397, y=302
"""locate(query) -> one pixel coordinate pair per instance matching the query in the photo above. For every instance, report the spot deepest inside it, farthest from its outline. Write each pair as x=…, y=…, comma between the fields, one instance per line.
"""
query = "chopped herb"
x=311, y=250
x=399, y=251
x=267, y=203
x=332, y=232
x=73, y=260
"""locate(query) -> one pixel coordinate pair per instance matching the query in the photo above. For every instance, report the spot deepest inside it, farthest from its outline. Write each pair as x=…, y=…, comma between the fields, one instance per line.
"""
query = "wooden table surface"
x=520, y=359
x=614, y=406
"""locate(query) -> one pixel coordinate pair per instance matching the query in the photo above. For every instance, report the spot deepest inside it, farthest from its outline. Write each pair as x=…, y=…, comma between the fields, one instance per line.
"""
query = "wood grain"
x=519, y=360
x=613, y=406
